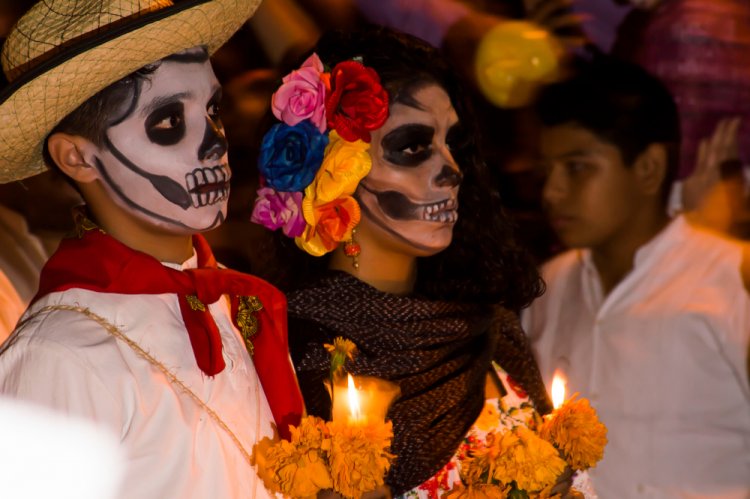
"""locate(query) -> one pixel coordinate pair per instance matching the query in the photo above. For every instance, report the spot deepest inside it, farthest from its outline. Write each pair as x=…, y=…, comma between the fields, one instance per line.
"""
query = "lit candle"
x=558, y=389
x=362, y=400
x=352, y=396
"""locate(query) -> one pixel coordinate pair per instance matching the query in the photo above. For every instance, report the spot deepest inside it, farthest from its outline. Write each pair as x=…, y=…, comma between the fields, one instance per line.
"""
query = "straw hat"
x=62, y=52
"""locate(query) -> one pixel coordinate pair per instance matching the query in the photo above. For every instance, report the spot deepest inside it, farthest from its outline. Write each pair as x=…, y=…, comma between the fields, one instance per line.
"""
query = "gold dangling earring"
x=352, y=250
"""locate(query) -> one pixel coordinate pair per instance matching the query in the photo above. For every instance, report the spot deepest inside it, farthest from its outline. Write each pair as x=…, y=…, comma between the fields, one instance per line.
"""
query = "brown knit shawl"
x=438, y=352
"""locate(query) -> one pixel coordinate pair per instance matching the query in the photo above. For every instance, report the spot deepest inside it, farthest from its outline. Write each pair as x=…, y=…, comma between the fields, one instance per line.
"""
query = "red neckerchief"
x=98, y=262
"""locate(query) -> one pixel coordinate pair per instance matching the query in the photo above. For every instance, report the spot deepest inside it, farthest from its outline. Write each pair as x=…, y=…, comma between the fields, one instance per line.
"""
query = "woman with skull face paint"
x=429, y=282
x=135, y=326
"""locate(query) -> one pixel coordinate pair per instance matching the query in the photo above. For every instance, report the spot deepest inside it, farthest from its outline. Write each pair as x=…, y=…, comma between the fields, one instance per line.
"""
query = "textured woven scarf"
x=439, y=354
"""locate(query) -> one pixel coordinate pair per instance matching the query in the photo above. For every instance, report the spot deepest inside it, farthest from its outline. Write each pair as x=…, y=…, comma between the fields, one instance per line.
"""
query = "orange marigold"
x=295, y=468
x=575, y=429
x=359, y=458
x=528, y=460
x=475, y=468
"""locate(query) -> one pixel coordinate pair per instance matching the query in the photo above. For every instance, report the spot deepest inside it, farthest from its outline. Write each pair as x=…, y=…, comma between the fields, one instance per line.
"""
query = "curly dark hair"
x=483, y=264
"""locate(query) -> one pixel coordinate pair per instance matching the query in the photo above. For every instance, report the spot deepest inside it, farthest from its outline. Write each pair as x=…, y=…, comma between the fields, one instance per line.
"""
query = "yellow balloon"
x=513, y=60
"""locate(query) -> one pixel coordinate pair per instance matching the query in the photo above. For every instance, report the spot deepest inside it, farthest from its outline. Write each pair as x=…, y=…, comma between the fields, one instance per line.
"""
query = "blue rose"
x=290, y=156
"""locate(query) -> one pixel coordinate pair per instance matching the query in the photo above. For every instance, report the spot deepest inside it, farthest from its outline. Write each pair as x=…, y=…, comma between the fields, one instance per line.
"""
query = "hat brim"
x=35, y=104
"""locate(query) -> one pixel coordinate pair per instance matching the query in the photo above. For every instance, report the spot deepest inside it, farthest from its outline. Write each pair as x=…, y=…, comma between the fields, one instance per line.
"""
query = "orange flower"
x=295, y=468
x=525, y=458
x=575, y=429
x=328, y=224
x=341, y=350
x=359, y=459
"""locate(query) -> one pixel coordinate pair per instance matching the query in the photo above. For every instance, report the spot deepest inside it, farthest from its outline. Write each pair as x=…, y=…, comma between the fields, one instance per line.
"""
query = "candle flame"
x=558, y=389
x=353, y=396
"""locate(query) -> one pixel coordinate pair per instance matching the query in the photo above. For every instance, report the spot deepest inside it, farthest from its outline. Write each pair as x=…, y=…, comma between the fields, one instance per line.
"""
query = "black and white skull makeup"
x=164, y=159
x=411, y=192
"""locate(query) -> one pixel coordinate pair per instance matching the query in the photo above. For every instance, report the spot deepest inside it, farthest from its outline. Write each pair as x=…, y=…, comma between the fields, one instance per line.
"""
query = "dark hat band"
x=26, y=72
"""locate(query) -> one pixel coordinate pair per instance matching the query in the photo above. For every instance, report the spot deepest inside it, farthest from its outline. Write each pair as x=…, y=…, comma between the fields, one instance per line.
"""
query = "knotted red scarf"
x=99, y=262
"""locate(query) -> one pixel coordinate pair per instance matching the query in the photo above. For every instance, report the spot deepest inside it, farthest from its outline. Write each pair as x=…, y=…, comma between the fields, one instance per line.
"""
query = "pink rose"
x=302, y=95
x=275, y=210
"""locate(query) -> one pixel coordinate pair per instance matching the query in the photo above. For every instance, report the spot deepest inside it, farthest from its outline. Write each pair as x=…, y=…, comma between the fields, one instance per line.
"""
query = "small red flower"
x=357, y=103
x=431, y=487
x=442, y=475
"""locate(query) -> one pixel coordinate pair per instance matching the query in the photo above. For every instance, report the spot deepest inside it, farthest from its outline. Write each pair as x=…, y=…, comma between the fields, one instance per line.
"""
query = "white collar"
x=190, y=263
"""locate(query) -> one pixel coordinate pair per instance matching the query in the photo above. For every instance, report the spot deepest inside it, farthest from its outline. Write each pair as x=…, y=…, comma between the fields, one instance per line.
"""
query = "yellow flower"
x=311, y=433
x=575, y=429
x=295, y=468
x=305, y=476
x=344, y=165
x=265, y=458
x=359, y=458
x=341, y=350
x=523, y=457
x=489, y=418
x=474, y=468
x=328, y=207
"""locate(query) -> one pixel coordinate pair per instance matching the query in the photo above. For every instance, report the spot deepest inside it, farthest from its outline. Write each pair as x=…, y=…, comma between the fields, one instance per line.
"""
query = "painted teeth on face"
x=443, y=212
x=215, y=177
x=190, y=180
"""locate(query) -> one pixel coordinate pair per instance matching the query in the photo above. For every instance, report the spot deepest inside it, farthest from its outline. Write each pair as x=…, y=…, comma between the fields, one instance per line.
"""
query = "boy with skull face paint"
x=134, y=325
x=416, y=263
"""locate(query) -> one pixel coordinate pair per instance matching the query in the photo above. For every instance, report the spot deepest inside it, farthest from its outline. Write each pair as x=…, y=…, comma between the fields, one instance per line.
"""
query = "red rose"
x=357, y=103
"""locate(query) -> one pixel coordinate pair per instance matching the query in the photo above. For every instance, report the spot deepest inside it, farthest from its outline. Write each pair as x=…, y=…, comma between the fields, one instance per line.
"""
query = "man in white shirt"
x=647, y=317
x=134, y=325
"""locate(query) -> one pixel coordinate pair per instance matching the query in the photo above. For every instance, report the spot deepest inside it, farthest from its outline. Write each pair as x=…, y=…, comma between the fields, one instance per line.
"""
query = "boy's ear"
x=69, y=152
x=651, y=169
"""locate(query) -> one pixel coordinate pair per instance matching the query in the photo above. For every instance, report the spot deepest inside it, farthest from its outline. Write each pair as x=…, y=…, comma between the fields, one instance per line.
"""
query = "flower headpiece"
x=311, y=163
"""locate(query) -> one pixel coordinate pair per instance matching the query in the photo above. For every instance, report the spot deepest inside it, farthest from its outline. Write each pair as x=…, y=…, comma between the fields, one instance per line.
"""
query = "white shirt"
x=68, y=362
x=663, y=359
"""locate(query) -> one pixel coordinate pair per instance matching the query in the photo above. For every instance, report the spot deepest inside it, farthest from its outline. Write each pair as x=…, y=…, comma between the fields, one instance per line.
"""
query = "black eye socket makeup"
x=408, y=145
x=457, y=138
x=165, y=126
x=214, y=106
